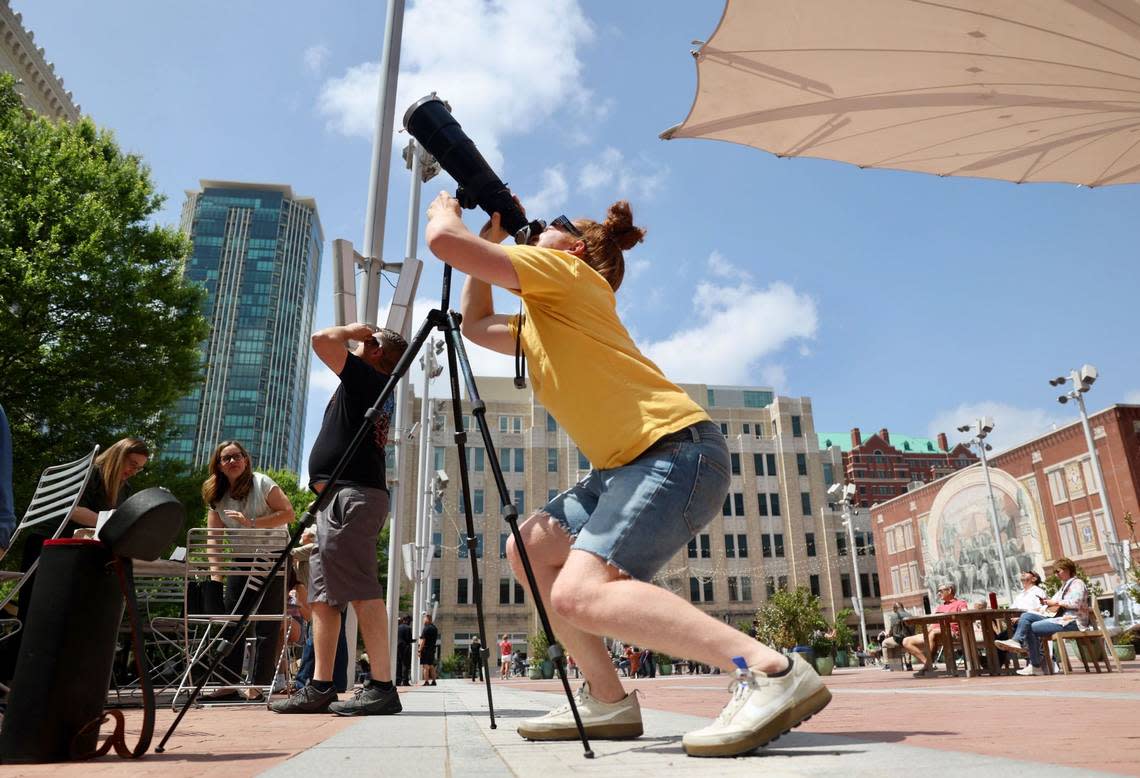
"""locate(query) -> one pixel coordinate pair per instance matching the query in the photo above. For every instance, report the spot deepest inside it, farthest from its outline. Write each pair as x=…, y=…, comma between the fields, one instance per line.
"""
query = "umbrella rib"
x=1008, y=155
x=1103, y=174
x=1035, y=28
x=729, y=58
x=980, y=132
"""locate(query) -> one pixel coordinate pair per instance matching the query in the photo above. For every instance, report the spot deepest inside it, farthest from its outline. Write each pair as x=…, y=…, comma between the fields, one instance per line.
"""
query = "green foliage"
x=662, y=659
x=841, y=632
x=822, y=645
x=453, y=665
x=100, y=329
x=790, y=619
x=538, y=646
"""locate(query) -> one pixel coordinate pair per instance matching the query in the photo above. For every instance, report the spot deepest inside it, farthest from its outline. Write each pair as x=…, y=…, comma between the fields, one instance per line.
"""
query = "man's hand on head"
x=359, y=332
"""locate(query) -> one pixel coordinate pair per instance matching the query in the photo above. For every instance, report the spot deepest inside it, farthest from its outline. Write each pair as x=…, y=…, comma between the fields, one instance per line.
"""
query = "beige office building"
x=36, y=80
x=774, y=531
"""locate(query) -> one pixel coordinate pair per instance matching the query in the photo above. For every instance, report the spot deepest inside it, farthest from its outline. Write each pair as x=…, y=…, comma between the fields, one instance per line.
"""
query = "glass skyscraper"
x=257, y=251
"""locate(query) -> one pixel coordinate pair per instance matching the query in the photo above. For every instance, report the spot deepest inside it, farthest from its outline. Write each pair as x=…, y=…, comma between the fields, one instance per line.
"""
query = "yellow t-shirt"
x=583, y=365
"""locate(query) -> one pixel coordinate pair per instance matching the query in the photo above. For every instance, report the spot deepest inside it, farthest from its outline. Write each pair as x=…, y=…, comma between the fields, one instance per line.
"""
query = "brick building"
x=1048, y=507
x=883, y=467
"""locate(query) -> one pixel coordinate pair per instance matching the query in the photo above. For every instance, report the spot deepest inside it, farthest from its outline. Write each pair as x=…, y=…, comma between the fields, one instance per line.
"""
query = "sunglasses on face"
x=562, y=224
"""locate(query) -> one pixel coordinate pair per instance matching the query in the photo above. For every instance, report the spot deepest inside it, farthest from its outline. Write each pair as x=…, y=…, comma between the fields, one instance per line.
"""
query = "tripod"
x=447, y=321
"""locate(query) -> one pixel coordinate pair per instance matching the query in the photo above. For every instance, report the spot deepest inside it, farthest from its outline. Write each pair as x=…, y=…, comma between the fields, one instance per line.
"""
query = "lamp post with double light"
x=842, y=495
x=981, y=429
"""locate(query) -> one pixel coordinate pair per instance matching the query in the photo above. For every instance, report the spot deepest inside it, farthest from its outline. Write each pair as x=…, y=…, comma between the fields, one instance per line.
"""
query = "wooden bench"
x=1093, y=645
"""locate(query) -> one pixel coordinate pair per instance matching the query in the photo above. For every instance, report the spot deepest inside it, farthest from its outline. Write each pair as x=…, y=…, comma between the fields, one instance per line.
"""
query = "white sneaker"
x=1011, y=645
x=601, y=720
x=1030, y=670
x=761, y=709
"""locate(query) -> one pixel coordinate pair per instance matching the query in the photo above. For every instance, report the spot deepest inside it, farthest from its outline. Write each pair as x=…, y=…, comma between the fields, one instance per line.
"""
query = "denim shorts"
x=636, y=517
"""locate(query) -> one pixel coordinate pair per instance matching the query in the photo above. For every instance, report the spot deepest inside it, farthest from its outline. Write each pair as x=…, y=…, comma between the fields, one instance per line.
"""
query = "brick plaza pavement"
x=878, y=723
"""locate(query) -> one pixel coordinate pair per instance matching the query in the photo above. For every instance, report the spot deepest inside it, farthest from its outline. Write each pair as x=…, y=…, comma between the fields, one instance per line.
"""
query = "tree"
x=790, y=618
x=99, y=332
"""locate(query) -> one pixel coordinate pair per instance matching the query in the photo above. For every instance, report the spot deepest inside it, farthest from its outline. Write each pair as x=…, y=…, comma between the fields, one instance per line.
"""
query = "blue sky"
x=891, y=299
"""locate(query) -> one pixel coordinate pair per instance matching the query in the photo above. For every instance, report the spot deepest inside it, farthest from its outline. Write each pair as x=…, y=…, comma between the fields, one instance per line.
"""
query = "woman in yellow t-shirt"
x=660, y=474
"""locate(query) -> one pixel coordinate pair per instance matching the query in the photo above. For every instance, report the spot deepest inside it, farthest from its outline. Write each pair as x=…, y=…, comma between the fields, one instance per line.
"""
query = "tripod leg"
x=511, y=514
x=461, y=446
x=435, y=319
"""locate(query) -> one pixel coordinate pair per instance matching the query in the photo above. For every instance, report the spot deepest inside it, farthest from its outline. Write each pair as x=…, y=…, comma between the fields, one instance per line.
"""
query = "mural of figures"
x=958, y=542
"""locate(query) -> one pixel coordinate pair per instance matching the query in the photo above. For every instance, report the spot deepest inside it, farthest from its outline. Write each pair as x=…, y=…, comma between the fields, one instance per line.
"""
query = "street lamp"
x=1082, y=381
x=843, y=495
x=983, y=427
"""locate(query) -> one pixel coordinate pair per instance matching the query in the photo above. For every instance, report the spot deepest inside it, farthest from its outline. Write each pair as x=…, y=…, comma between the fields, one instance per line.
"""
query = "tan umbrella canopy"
x=1019, y=90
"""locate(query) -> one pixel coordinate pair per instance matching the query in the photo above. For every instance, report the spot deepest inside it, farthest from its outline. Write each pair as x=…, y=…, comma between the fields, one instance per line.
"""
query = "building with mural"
x=1047, y=505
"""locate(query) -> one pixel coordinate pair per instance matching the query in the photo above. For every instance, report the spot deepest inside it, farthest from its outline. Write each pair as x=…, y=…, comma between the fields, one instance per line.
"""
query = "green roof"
x=903, y=443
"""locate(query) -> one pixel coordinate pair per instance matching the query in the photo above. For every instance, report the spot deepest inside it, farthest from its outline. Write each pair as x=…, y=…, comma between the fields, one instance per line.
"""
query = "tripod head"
x=430, y=122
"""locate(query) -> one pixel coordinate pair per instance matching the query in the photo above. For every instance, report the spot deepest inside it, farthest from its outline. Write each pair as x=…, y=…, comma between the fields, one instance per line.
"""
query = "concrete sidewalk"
x=878, y=724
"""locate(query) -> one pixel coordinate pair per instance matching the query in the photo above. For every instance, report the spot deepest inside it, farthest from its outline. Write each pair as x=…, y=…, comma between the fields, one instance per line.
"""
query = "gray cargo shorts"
x=343, y=568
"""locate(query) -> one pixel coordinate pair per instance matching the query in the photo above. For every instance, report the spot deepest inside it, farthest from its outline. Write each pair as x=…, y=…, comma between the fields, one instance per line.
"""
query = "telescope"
x=430, y=122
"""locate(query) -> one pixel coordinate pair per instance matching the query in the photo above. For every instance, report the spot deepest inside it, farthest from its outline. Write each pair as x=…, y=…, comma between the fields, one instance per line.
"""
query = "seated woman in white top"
x=1031, y=595
x=238, y=498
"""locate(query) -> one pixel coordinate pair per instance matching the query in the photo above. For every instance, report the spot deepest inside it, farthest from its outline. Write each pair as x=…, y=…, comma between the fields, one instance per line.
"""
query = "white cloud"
x=505, y=68
x=1012, y=426
x=548, y=201
x=635, y=267
x=315, y=57
x=722, y=268
x=625, y=179
x=1132, y=398
x=735, y=329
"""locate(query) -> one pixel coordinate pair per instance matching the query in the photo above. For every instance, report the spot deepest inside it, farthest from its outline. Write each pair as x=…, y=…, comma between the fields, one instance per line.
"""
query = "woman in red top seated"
x=916, y=646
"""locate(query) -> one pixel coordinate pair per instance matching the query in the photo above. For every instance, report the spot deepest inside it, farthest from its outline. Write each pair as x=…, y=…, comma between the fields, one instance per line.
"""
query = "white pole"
x=1119, y=565
x=423, y=506
x=993, y=517
x=395, y=537
x=381, y=161
x=848, y=520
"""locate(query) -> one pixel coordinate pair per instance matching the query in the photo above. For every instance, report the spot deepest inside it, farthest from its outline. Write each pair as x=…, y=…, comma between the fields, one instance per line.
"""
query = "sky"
x=891, y=299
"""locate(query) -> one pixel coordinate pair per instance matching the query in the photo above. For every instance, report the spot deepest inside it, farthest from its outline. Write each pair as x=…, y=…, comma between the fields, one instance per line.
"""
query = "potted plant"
x=539, y=646
x=843, y=636
x=1123, y=646
x=822, y=646
x=789, y=619
x=452, y=666
x=664, y=663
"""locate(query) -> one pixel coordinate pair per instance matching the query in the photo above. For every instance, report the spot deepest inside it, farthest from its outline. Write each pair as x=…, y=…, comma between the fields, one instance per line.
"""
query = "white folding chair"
x=220, y=554
x=57, y=493
x=160, y=593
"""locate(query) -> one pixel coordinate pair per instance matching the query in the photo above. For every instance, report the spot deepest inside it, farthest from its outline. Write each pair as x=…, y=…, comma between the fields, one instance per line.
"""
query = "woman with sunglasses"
x=239, y=498
x=660, y=474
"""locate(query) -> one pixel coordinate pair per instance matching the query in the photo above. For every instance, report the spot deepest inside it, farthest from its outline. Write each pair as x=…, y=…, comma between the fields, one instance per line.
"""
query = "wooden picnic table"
x=986, y=618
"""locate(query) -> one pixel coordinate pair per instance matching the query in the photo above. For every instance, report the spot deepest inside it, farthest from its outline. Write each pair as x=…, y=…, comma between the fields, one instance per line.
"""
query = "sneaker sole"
x=363, y=712
x=781, y=725
x=594, y=732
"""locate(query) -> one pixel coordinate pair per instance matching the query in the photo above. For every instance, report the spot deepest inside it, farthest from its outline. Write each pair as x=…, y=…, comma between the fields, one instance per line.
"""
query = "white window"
x=1090, y=482
x=891, y=547
x=896, y=585
x=914, y=579
x=1057, y=485
x=904, y=579
x=1068, y=537
x=908, y=535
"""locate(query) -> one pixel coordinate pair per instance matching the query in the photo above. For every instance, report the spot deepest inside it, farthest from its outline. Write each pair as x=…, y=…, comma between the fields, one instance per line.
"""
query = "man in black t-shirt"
x=342, y=568
x=429, y=636
x=404, y=640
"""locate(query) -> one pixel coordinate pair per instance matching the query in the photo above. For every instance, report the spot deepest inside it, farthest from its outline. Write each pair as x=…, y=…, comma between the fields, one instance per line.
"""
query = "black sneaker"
x=306, y=700
x=369, y=700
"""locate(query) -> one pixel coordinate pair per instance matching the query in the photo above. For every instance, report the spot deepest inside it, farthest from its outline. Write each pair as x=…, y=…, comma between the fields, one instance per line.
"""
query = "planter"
x=534, y=672
x=665, y=669
x=852, y=660
x=547, y=669
x=841, y=658
x=806, y=652
x=824, y=665
x=1125, y=653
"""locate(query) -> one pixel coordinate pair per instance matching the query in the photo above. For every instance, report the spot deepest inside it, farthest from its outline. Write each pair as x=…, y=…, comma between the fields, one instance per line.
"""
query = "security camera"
x=1058, y=381
x=441, y=478
x=1088, y=375
x=1063, y=399
x=835, y=491
x=986, y=425
x=964, y=428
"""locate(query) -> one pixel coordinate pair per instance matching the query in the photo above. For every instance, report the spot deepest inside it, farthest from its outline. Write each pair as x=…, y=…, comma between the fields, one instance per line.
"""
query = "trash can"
x=66, y=655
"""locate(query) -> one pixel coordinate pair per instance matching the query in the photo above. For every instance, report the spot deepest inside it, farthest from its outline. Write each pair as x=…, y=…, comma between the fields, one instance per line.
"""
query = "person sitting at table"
x=916, y=646
x=1070, y=609
x=895, y=634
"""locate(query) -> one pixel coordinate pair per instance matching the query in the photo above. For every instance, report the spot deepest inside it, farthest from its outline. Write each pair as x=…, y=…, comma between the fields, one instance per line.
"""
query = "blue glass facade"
x=257, y=251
